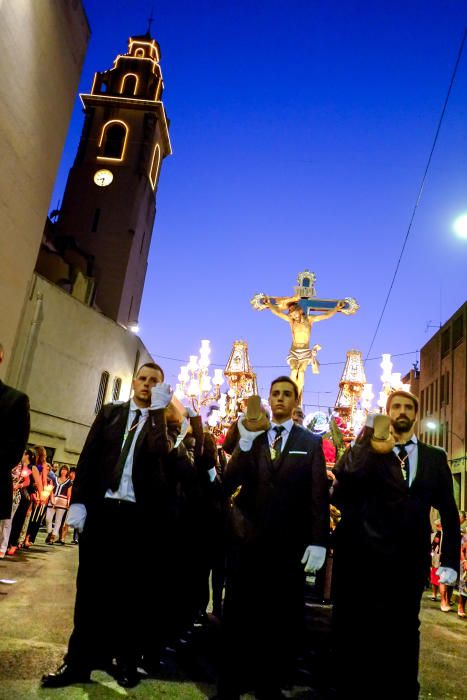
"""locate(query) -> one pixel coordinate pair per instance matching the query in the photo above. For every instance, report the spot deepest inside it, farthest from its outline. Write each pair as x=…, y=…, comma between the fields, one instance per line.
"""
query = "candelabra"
x=390, y=380
x=195, y=383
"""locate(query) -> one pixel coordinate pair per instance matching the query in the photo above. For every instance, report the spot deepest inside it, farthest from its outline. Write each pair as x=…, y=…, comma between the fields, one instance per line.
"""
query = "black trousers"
x=263, y=619
x=111, y=589
x=376, y=628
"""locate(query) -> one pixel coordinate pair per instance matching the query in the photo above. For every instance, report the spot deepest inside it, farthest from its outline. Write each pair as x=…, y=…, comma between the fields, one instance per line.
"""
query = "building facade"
x=70, y=360
x=105, y=223
x=42, y=49
x=74, y=348
x=443, y=396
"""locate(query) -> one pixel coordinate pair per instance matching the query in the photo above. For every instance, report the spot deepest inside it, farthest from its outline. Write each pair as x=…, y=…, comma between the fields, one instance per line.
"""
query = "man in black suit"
x=120, y=494
x=280, y=521
x=385, y=488
x=14, y=419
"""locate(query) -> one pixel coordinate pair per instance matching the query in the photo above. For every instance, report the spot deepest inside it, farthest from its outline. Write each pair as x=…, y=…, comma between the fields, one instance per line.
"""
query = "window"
x=422, y=403
x=117, y=385
x=442, y=399
x=113, y=140
x=139, y=52
x=436, y=395
x=445, y=342
x=431, y=398
x=129, y=84
x=446, y=387
x=102, y=390
x=441, y=435
x=156, y=159
x=457, y=331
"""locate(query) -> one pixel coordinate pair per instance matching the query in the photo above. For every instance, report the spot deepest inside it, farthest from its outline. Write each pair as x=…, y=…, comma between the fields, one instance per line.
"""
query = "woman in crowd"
x=463, y=573
x=40, y=495
x=20, y=475
x=23, y=505
x=58, y=504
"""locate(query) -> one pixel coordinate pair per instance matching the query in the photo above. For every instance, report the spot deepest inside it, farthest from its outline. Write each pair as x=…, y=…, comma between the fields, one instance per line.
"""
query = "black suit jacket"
x=101, y=452
x=14, y=422
x=286, y=503
x=384, y=519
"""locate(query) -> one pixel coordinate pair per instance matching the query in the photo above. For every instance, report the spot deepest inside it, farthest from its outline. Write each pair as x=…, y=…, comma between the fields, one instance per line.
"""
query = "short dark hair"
x=285, y=379
x=72, y=469
x=152, y=365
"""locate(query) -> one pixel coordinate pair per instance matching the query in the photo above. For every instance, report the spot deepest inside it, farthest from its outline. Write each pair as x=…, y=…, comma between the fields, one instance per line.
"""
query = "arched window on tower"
x=129, y=84
x=140, y=53
x=113, y=140
x=156, y=159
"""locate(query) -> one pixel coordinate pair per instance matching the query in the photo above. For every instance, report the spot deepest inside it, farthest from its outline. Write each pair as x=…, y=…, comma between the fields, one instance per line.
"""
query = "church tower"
x=109, y=204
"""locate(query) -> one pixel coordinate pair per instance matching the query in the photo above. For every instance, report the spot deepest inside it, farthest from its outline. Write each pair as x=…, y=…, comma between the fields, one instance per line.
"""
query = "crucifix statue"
x=301, y=311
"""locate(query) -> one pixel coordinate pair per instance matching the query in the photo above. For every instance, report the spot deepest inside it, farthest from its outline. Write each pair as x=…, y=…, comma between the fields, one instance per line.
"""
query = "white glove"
x=247, y=437
x=161, y=395
x=76, y=516
x=313, y=558
x=183, y=431
x=447, y=575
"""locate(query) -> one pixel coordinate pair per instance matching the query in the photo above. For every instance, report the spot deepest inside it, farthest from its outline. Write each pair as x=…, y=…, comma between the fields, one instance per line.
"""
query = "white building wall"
x=63, y=347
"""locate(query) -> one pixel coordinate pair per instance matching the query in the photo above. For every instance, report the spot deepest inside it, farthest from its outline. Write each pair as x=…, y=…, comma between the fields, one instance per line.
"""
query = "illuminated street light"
x=460, y=226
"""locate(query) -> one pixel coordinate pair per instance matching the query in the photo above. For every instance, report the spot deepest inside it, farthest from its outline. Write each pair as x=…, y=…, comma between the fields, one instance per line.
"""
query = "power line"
x=322, y=364
x=420, y=191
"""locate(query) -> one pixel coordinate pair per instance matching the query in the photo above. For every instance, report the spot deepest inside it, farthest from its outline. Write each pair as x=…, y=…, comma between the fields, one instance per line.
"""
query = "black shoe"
x=66, y=675
x=127, y=675
x=74, y=541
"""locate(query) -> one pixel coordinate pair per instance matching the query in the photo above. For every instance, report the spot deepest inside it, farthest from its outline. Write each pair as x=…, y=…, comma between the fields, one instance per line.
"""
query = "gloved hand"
x=183, y=431
x=447, y=575
x=313, y=558
x=76, y=516
x=161, y=394
x=246, y=436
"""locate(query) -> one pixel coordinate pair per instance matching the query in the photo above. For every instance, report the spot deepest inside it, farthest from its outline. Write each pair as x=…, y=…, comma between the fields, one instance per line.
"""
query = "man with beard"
x=386, y=485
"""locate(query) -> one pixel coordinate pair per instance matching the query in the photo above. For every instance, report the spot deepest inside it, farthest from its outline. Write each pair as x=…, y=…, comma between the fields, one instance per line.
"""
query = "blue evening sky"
x=301, y=130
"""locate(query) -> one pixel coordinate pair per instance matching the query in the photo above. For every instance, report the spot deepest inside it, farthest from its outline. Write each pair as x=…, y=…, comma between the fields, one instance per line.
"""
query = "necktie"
x=276, y=447
x=404, y=460
x=118, y=469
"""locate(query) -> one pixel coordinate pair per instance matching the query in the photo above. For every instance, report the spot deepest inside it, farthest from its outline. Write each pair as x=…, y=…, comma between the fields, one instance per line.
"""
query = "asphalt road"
x=36, y=619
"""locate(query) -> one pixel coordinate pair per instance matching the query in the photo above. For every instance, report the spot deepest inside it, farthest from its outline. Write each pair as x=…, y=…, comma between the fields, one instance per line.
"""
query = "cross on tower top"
x=150, y=21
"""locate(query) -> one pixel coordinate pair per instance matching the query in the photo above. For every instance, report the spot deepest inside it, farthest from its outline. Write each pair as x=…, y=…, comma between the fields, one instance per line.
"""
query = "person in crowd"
x=277, y=479
x=20, y=476
x=463, y=568
x=435, y=559
x=58, y=504
x=64, y=526
x=121, y=488
x=298, y=416
x=21, y=512
x=15, y=422
x=385, y=486
x=40, y=495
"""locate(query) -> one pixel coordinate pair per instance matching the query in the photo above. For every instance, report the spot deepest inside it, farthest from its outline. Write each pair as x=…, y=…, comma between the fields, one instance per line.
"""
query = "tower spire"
x=150, y=21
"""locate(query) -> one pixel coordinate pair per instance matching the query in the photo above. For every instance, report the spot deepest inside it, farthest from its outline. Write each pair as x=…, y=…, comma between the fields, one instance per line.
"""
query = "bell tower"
x=109, y=202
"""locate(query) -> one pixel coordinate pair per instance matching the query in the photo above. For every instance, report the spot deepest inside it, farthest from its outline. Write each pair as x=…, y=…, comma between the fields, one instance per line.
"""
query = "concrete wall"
x=63, y=348
x=42, y=48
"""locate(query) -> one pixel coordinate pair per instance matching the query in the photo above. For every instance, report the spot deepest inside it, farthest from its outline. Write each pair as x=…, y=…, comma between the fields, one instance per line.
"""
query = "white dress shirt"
x=412, y=459
x=125, y=491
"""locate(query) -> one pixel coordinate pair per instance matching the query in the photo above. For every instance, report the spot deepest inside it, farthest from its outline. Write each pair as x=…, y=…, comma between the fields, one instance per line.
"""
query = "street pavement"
x=36, y=619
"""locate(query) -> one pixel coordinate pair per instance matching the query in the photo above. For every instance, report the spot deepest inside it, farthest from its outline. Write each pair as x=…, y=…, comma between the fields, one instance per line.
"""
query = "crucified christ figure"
x=300, y=354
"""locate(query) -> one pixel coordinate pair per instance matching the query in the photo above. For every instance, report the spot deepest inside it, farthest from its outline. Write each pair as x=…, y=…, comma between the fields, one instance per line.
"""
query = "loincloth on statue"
x=304, y=355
